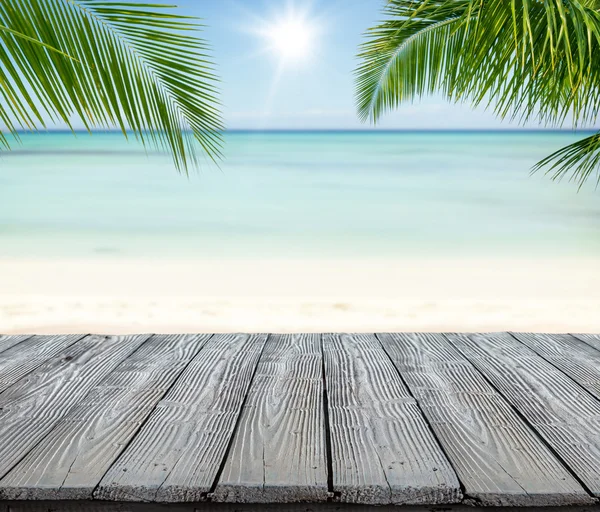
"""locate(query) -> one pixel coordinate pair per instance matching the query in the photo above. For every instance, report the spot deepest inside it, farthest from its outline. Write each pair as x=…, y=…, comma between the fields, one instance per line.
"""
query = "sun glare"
x=290, y=37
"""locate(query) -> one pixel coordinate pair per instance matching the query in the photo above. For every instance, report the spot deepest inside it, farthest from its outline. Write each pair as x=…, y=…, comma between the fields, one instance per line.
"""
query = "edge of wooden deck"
x=98, y=506
x=392, y=378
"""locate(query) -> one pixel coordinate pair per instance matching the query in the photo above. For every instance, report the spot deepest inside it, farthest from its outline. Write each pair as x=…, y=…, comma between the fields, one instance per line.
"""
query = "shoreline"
x=131, y=317
x=123, y=296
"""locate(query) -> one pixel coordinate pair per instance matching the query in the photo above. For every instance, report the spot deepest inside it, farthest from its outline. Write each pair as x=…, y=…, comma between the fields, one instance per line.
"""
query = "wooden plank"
x=72, y=459
x=497, y=457
x=591, y=339
x=565, y=415
x=278, y=453
x=383, y=451
x=7, y=341
x=30, y=408
x=574, y=357
x=177, y=455
x=25, y=357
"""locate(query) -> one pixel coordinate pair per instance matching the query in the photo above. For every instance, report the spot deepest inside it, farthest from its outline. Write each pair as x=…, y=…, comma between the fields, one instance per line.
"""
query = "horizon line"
x=340, y=130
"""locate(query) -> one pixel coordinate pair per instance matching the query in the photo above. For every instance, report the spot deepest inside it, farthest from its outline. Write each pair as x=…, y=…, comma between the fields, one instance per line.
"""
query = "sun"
x=291, y=37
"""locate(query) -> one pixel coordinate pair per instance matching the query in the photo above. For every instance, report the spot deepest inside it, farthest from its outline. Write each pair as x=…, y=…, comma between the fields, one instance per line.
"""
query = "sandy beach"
x=120, y=296
x=301, y=231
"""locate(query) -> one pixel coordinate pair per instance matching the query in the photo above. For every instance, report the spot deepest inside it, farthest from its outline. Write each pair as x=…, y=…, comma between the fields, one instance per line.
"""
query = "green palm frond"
x=110, y=63
x=525, y=59
x=392, y=68
x=580, y=159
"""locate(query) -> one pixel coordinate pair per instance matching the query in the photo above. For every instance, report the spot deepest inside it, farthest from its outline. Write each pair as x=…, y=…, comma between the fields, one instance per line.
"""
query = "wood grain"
x=7, y=341
x=565, y=415
x=573, y=357
x=72, y=459
x=383, y=451
x=23, y=358
x=278, y=453
x=30, y=408
x=497, y=457
x=178, y=453
x=166, y=419
x=591, y=339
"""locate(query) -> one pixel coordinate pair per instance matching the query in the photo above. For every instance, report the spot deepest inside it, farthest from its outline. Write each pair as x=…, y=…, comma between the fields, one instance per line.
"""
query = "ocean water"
x=296, y=195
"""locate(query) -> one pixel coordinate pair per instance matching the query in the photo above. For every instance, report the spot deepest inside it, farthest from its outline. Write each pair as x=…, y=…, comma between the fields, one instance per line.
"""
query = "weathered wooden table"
x=117, y=423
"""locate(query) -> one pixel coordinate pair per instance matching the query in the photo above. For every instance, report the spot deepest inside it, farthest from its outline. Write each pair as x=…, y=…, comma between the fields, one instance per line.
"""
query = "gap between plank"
x=556, y=367
x=328, y=451
x=155, y=405
x=208, y=495
x=74, y=342
x=17, y=462
x=19, y=342
x=583, y=341
x=428, y=423
x=526, y=421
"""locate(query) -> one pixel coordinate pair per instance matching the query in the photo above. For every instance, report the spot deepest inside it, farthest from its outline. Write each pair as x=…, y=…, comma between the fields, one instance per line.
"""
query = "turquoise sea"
x=296, y=194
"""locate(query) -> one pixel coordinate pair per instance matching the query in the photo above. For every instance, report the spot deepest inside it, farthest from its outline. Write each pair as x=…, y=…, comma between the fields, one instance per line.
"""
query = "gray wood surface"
x=591, y=339
x=26, y=356
x=178, y=452
x=30, y=408
x=573, y=357
x=498, y=459
x=7, y=341
x=383, y=451
x=278, y=453
x=565, y=415
x=72, y=459
x=377, y=420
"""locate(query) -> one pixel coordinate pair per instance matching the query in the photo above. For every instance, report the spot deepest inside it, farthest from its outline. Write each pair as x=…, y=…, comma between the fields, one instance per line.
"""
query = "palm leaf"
x=525, y=59
x=579, y=160
x=110, y=63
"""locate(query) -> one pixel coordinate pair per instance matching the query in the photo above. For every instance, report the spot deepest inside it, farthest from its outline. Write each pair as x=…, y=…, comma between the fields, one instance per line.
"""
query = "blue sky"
x=319, y=91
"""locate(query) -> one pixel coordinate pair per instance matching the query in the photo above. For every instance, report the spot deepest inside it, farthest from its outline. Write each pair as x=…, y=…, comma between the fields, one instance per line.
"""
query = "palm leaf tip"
x=527, y=60
x=578, y=161
x=136, y=66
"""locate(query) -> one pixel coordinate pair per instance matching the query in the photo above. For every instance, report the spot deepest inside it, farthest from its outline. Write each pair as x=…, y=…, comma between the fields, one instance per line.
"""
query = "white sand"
x=552, y=295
